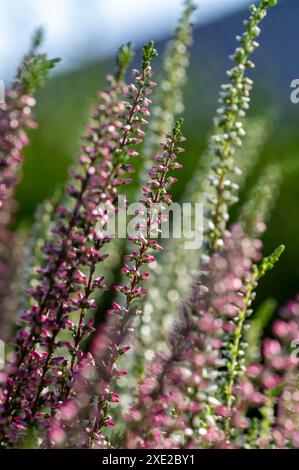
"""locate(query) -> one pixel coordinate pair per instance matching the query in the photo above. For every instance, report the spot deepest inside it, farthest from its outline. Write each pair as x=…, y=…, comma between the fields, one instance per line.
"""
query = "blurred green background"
x=64, y=103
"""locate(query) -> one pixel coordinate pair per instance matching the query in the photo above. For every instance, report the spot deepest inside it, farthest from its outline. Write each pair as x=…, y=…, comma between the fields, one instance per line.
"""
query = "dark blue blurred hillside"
x=277, y=61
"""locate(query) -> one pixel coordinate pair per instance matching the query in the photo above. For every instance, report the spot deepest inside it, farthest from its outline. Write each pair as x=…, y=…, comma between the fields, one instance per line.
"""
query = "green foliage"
x=268, y=3
x=260, y=200
x=258, y=324
x=148, y=54
x=177, y=129
x=35, y=71
x=124, y=58
x=236, y=346
x=268, y=263
x=35, y=67
x=37, y=39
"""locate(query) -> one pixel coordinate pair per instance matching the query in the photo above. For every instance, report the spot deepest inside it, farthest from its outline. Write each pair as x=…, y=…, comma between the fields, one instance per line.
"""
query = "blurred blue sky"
x=80, y=30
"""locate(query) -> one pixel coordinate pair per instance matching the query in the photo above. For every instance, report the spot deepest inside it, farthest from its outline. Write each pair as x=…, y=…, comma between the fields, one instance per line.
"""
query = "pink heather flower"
x=281, y=329
x=254, y=370
x=271, y=347
x=114, y=397
x=68, y=411
x=57, y=436
x=122, y=372
x=110, y=422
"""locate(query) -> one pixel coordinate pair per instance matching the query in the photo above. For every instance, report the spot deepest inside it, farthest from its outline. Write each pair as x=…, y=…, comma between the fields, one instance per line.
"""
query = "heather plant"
x=16, y=119
x=179, y=356
x=177, y=272
x=78, y=239
x=108, y=344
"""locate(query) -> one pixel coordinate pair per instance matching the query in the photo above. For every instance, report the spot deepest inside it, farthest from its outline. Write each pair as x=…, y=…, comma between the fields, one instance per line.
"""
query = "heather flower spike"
x=229, y=133
x=92, y=282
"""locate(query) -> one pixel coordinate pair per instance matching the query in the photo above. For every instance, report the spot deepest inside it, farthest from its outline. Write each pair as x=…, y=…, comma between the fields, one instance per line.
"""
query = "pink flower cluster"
x=180, y=390
x=112, y=340
x=180, y=403
x=76, y=245
x=15, y=119
x=277, y=376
